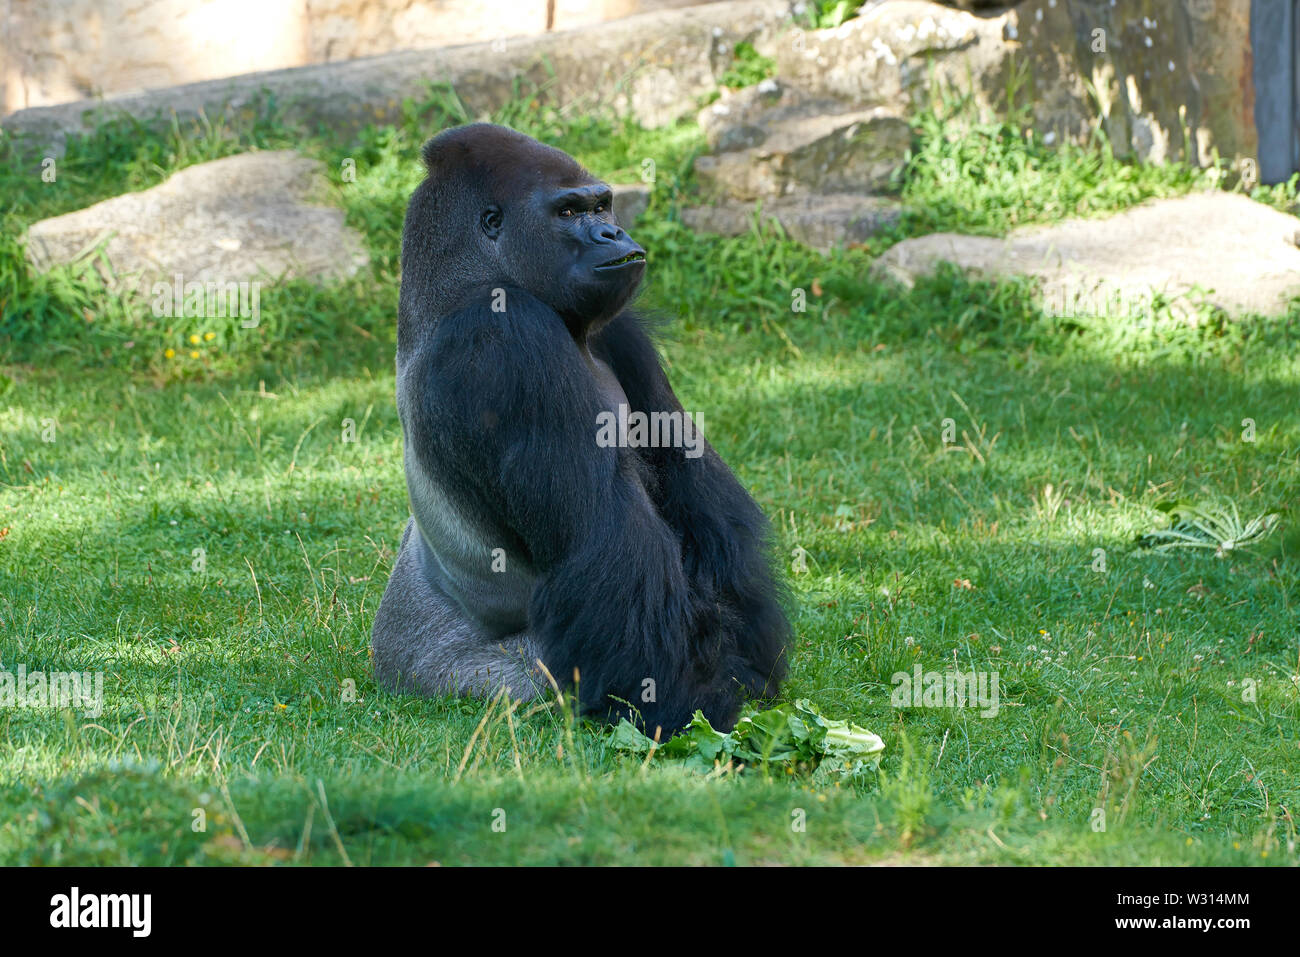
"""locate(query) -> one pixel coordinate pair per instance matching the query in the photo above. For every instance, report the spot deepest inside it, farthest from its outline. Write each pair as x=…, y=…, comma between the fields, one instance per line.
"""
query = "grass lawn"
x=1156, y=692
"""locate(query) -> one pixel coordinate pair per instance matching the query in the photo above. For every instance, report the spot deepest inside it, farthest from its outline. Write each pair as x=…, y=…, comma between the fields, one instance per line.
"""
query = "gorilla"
x=634, y=573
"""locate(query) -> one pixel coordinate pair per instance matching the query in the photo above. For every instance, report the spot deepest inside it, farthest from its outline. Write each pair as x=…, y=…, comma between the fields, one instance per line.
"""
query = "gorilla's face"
x=499, y=208
x=563, y=244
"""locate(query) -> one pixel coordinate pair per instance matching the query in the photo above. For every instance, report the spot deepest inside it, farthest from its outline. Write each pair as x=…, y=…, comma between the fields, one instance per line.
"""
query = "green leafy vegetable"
x=794, y=734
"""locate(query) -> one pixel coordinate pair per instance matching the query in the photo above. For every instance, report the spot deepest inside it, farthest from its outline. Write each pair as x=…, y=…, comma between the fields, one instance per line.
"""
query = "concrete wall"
x=58, y=51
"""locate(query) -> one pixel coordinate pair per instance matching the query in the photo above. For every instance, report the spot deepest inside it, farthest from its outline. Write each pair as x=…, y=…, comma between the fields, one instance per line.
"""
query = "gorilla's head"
x=499, y=208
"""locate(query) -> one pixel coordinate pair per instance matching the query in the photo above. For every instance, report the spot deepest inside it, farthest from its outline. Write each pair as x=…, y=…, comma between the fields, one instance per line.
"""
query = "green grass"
x=749, y=68
x=226, y=691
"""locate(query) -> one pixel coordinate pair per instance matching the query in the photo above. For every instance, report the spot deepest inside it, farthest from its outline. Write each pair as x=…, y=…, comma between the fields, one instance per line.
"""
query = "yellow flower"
x=194, y=339
x=170, y=353
x=209, y=336
x=194, y=353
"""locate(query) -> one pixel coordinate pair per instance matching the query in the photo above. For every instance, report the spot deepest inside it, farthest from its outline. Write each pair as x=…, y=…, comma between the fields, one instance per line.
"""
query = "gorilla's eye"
x=600, y=207
x=566, y=212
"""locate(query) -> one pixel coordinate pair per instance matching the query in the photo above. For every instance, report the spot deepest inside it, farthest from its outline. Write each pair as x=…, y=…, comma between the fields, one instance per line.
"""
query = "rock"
x=630, y=202
x=61, y=50
x=244, y=217
x=812, y=161
x=1229, y=245
x=774, y=140
x=896, y=54
x=1173, y=79
x=1165, y=79
x=734, y=120
x=653, y=66
x=823, y=222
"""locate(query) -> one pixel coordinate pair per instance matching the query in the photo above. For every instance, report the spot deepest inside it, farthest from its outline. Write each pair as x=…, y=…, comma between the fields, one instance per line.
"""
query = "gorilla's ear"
x=491, y=221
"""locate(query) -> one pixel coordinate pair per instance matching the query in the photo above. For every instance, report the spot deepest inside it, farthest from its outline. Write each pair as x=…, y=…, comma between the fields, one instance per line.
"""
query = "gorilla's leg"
x=424, y=643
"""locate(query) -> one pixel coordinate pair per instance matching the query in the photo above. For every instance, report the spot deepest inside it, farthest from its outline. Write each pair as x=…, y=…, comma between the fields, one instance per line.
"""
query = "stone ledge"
x=653, y=66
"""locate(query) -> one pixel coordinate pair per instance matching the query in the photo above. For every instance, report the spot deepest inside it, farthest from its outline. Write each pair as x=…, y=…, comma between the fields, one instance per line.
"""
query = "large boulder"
x=1165, y=79
x=246, y=217
x=899, y=55
x=1241, y=253
x=654, y=66
x=772, y=140
x=813, y=165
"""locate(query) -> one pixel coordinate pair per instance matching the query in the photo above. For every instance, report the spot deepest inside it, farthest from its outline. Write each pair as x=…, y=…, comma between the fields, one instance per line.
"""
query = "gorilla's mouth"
x=632, y=257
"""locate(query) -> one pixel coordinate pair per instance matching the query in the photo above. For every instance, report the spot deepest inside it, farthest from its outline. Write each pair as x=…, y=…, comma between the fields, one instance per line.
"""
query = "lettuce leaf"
x=793, y=734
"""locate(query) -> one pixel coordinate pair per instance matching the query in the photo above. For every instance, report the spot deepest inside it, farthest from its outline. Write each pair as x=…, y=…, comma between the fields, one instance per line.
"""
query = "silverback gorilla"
x=641, y=570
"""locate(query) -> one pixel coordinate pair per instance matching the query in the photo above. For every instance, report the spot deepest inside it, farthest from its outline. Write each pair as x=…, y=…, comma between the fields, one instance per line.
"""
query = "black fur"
x=623, y=564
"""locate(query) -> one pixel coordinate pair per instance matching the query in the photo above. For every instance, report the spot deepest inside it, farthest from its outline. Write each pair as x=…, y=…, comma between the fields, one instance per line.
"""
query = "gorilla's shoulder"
x=497, y=314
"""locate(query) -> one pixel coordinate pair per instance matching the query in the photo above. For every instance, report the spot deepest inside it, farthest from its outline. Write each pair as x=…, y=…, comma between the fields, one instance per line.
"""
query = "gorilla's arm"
x=724, y=535
x=505, y=409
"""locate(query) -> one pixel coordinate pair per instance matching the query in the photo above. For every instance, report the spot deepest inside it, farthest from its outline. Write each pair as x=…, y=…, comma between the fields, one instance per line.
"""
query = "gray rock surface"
x=1238, y=250
x=654, y=66
x=1164, y=78
x=255, y=215
x=772, y=140
x=630, y=202
x=820, y=221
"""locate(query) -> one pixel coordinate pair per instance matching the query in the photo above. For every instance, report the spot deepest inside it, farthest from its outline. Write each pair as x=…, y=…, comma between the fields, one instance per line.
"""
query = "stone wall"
x=58, y=51
x=654, y=67
x=1165, y=79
